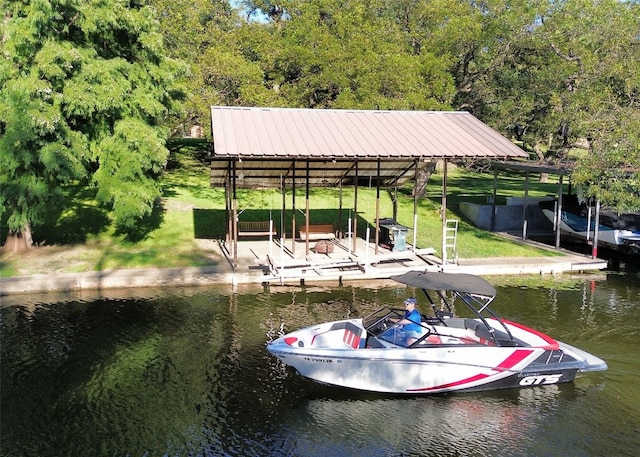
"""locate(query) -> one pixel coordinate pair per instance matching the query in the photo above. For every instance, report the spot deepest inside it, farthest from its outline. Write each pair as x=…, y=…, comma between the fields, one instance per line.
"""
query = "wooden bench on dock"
x=317, y=232
x=255, y=228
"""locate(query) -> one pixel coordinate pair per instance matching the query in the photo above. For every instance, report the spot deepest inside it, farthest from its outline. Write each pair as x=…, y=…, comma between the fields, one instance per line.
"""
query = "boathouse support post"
x=493, y=200
x=354, y=231
x=234, y=209
x=395, y=202
x=524, y=210
x=366, y=249
x=415, y=206
x=283, y=191
x=559, y=211
x=349, y=235
x=594, y=247
x=306, y=214
x=293, y=208
x=377, y=237
x=227, y=206
x=340, y=229
x=444, y=213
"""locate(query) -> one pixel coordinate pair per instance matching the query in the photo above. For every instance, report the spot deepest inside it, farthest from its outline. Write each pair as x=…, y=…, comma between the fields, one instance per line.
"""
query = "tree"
x=219, y=47
x=348, y=55
x=332, y=54
x=501, y=69
x=598, y=46
x=558, y=76
x=561, y=77
x=85, y=88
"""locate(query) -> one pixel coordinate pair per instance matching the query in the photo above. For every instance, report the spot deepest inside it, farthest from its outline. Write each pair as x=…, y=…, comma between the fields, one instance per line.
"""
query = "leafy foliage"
x=336, y=55
x=211, y=38
x=89, y=88
x=85, y=91
x=562, y=78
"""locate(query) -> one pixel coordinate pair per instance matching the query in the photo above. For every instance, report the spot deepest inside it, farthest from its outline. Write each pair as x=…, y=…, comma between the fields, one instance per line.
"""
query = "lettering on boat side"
x=540, y=379
x=313, y=359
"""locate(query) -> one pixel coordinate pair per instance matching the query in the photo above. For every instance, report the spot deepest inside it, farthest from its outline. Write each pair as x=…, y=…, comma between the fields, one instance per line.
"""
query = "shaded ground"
x=78, y=258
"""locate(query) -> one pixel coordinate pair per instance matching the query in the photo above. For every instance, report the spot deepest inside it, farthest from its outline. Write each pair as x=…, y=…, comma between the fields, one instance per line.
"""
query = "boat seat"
x=353, y=336
x=374, y=343
x=456, y=322
x=479, y=329
x=482, y=332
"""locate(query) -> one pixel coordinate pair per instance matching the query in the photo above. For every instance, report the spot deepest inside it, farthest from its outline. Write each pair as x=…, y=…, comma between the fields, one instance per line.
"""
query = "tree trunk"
x=19, y=240
x=544, y=177
x=420, y=186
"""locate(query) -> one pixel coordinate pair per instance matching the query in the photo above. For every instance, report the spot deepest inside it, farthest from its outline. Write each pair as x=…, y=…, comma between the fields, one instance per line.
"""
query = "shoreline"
x=149, y=278
x=113, y=279
x=253, y=269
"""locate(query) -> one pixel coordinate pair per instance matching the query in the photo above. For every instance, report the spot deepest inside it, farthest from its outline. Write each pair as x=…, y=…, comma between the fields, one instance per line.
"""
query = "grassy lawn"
x=462, y=185
x=179, y=234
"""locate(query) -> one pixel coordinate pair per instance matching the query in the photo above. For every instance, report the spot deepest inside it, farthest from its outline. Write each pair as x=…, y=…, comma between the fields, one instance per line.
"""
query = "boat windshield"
x=380, y=316
x=383, y=325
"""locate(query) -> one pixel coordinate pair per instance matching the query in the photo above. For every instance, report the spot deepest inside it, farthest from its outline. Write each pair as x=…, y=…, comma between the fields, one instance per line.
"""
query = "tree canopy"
x=89, y=88
x=562, y=77
x=85, y=90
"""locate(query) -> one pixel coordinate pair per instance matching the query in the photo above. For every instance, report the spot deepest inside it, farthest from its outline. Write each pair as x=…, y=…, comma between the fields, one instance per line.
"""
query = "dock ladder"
x=450, y=236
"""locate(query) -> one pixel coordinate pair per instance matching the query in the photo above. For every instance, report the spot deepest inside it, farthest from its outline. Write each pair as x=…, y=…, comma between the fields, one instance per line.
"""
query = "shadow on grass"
x=187, y=152
x=73, y=221
x=209, y=224
x=80, y=217
x=478, y=188
x=212, y=224
x=144, y=226
x=5, y=271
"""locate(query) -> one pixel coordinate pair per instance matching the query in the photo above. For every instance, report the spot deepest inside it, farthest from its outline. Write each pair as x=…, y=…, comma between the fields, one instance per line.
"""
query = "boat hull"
x=576, y=227
x=393, y=351
x=428, y=374
x=437, y=369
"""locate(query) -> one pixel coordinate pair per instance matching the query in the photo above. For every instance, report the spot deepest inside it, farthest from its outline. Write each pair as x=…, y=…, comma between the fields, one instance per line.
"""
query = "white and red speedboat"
x=483, y=352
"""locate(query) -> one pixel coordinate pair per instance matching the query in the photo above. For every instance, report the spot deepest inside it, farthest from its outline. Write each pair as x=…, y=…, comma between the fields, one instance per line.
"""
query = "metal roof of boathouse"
x=271, y=140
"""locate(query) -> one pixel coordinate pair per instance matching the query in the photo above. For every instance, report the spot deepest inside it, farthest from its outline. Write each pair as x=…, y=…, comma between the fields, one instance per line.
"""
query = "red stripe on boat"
x=290, y=340
x=551, y=345
x=351, y=339
x=451, y=384
x=516, y=356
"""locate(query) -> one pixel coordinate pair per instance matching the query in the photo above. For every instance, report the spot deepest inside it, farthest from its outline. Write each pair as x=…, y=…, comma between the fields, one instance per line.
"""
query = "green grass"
x=462, y=185
x=82, y=238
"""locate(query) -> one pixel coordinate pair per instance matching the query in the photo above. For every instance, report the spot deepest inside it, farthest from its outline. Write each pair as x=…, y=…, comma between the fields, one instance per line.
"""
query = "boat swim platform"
x=276, y=263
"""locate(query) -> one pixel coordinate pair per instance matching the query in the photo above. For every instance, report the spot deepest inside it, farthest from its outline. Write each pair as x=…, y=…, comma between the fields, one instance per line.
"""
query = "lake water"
x=184, y=372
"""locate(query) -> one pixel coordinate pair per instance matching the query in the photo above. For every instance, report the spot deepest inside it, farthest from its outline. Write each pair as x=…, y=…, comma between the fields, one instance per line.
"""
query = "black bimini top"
x=460, y=282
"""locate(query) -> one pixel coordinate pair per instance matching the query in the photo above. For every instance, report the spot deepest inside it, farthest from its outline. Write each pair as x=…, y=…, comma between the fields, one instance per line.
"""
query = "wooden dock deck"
x=284, y=263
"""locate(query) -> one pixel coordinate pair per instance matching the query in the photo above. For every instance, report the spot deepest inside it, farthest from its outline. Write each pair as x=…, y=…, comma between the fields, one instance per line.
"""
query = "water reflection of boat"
x=449, y=354
x=503, y=422
x=617, y=231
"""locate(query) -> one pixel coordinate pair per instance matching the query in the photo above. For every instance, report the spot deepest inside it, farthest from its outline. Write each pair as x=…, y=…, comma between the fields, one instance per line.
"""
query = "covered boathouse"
x=289, y=149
